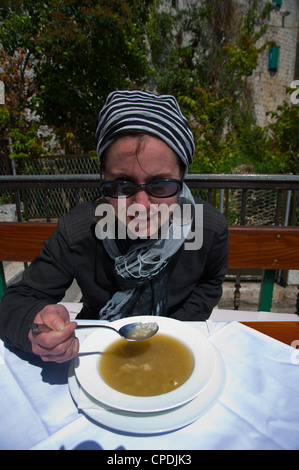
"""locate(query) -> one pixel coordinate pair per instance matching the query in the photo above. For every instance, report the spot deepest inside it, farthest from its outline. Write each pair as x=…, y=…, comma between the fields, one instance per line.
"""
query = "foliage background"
x=60, y=59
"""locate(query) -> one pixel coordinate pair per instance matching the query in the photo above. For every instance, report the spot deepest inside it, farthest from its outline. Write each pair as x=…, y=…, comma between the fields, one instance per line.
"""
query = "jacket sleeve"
x=44, y=282
x=208, y=290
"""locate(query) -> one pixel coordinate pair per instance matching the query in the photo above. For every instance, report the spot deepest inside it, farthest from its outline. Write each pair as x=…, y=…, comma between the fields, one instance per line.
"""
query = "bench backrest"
x=251, y=247
x=22, y=241
x=261, y=247
x=264, y=247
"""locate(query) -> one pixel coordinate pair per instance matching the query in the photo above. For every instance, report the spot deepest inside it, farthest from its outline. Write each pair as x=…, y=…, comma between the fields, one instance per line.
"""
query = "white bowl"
x=88, y=375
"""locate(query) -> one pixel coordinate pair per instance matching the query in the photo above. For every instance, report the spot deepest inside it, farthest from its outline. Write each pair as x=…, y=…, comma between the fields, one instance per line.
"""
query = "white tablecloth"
x=258, y=409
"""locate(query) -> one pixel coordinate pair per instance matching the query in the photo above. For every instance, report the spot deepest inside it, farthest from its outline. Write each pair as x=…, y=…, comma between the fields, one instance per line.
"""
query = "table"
x=287, y=332
x=259, y=407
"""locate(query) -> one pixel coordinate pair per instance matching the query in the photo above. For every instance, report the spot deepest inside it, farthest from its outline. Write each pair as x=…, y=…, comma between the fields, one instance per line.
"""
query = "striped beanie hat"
x=157, y=114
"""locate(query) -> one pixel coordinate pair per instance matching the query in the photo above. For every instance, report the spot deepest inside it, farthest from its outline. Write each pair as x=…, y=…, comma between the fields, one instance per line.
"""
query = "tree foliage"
x=19, y=125
x=60, y=59
x=209, y=72
x=78, y=51
x=283, y=135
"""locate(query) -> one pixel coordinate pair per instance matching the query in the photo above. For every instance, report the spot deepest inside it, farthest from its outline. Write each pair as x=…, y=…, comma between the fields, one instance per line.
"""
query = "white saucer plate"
x=152, y=423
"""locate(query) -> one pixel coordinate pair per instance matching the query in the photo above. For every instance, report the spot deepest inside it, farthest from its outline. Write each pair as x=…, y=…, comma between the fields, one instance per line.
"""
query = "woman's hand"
x=59, y=345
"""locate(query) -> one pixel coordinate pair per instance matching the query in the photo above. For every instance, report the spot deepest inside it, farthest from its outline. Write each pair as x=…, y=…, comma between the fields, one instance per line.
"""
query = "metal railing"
x=243, y=199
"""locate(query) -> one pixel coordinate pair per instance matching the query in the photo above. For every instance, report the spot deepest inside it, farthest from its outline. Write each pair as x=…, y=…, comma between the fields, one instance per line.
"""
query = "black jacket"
x=74, y=252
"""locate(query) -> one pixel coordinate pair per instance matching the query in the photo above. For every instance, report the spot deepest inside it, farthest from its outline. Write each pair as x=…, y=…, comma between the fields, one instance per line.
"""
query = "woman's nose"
x=141, y=197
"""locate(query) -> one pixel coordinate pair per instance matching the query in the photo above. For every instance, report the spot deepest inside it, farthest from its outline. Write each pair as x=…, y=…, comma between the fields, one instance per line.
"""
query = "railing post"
x=266, y=292
x=237, y=294
x=2, y=280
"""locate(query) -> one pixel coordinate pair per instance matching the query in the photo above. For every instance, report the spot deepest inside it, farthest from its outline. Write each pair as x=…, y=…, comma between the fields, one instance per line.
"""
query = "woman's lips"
x=139, y=219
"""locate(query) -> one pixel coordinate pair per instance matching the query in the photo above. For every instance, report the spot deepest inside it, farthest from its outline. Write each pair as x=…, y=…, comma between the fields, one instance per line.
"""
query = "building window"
x=278, y=3
x=273, y=59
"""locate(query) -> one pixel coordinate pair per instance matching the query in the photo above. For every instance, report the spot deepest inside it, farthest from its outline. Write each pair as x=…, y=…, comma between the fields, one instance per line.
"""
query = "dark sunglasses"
x=156, y=188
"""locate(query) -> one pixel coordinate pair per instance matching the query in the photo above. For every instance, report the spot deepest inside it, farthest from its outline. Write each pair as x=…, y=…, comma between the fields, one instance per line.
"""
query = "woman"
x=140, y=261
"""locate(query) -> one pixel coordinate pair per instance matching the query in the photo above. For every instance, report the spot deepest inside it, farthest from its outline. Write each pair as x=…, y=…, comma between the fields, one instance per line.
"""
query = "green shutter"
x=273, y=58
x=2, y=280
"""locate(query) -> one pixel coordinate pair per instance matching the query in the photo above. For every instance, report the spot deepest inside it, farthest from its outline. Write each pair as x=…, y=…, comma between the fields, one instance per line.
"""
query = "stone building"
x=276, y=69
x=279, y=67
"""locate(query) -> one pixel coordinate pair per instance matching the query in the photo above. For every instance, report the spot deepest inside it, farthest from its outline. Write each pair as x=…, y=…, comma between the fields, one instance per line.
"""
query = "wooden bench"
x=264, y=247
x=251, y=247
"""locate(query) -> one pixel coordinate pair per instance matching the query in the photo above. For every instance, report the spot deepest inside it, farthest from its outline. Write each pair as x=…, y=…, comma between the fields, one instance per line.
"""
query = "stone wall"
x=268, y=88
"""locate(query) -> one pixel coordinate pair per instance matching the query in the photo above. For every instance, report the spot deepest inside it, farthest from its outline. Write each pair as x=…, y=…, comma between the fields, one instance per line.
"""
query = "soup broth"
x=146, y=368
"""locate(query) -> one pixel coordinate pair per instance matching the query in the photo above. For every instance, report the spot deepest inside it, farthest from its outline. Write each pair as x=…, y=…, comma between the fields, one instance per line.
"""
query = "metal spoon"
x=131, y=332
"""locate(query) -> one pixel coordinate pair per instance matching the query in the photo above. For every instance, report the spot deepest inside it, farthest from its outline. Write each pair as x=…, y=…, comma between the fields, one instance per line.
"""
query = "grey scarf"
x=141, y=272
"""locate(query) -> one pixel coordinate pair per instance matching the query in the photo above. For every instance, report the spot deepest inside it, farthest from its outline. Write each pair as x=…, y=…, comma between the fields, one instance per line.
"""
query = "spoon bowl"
x=138, y=331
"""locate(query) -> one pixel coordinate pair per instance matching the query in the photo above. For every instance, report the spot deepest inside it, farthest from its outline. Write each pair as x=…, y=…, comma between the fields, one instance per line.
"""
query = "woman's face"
x=141, y=160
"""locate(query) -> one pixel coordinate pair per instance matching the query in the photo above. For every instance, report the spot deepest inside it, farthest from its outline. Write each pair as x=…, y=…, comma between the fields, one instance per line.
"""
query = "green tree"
x=284, y=136
x=19, y=126
x=80, y=50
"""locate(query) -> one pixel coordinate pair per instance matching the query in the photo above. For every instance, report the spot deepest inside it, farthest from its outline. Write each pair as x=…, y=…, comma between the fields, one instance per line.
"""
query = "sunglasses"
x=157, y=188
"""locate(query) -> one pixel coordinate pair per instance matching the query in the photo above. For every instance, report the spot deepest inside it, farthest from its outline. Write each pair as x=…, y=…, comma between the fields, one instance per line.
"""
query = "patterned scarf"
x=141, y=272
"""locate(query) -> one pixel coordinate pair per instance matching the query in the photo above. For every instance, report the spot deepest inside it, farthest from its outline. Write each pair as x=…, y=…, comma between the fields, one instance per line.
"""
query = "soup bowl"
x=88, y=374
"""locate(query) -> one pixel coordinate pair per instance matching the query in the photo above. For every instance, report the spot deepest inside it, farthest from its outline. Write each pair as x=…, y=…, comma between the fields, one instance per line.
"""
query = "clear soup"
x=146, y=368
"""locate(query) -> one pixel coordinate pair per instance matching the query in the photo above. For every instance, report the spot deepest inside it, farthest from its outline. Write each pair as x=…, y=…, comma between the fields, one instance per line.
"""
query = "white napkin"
x=262, y=385
x=2, y=353
x=14, y=433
